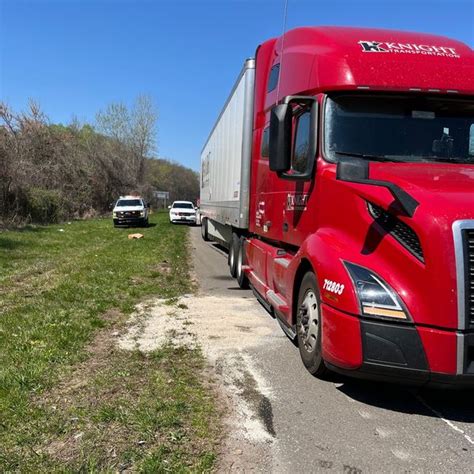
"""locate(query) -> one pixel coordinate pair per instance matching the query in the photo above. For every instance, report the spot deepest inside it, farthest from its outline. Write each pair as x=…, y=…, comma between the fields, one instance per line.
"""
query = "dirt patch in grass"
x=163, y=267
x=224, y=327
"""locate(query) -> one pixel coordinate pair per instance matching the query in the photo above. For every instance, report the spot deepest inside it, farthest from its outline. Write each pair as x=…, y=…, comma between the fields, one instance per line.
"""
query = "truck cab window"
x=265, y=143
x=400, y=128
x=471, y=140
x=273, y=79
x=301, y=145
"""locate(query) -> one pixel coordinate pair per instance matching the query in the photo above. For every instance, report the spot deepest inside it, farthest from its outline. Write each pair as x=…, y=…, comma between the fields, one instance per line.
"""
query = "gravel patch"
x=225, y=328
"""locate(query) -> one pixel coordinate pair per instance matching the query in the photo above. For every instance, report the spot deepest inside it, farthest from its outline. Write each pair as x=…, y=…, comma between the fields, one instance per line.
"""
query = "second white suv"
x=182, y=211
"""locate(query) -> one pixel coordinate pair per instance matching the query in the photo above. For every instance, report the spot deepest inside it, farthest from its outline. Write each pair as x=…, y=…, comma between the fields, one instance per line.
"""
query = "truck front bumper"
x=400, y=353
x=129, y=221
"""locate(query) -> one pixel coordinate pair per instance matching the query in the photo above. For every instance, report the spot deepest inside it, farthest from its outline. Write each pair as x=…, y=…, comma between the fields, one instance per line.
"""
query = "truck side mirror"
x=280, y=138
x=281, y=135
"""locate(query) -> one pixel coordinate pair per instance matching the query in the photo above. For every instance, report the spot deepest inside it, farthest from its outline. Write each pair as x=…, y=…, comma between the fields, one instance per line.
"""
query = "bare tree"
x=134, y=127
x=114, y=122
x=143, y=123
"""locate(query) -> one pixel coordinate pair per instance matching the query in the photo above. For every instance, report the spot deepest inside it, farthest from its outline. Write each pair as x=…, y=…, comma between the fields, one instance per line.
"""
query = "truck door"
x=293, y=161
x=294, y=203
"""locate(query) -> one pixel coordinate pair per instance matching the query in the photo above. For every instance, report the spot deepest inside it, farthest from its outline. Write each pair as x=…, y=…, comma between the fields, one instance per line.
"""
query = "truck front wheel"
x=308, y=325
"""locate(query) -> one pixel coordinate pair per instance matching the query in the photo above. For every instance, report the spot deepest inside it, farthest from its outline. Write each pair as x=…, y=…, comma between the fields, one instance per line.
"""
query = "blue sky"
x=75, y=57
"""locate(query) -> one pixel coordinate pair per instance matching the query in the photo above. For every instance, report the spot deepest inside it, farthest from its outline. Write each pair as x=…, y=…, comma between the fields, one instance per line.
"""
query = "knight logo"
x=296, y=202
x=408, y=48
x=372, y=47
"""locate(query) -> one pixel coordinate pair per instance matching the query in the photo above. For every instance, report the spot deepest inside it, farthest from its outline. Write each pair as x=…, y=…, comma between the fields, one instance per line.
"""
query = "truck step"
x=277, y=302
x=284, y=262
x=262, y=301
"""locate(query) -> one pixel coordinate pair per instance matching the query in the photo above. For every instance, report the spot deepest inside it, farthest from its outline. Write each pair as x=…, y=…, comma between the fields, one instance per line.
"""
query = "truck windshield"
x=400, y=128
x=129, y=202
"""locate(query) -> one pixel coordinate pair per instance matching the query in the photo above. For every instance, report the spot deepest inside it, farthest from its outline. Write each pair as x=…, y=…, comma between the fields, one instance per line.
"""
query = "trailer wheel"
x=242, y=279
x=233, y=253
x=204, y=234
x=308, y=326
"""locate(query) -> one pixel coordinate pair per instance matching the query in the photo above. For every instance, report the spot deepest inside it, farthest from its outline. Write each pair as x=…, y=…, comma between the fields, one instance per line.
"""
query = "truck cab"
x=361, y=201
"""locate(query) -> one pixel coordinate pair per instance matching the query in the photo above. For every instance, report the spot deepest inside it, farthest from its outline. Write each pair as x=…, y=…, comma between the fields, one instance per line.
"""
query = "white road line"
x=448, y=422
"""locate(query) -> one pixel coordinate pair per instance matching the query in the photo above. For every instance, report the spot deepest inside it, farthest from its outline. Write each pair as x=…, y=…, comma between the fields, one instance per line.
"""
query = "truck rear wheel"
x=233, y=254
x=242, y=279
x=308, y=326
x=204, y=234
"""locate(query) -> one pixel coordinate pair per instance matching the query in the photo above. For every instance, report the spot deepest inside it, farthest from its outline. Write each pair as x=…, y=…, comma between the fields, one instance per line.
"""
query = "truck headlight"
x=114, y=215
x=142, y=213
x=376, y=298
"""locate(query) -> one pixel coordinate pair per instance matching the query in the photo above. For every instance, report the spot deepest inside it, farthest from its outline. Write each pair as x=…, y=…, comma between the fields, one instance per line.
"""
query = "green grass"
x=69, y=399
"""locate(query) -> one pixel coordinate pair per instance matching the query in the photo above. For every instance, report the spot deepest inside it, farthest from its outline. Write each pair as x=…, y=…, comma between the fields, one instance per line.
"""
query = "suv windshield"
x=183, y=205
x=400, y=128
x=129, y=202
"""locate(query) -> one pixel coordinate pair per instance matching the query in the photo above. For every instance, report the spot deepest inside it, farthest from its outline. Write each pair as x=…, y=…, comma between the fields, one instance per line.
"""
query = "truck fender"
x=341, y=338
x=322, y=255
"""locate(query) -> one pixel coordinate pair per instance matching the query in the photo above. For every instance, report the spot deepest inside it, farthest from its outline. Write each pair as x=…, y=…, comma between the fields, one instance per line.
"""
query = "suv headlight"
x=376, y=298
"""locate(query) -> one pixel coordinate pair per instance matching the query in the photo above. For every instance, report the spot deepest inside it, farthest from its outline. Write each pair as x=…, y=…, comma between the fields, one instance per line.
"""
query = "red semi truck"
x=340, y=175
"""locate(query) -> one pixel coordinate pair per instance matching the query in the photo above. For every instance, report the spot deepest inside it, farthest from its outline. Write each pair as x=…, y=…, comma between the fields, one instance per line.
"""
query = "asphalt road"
x=344, y=425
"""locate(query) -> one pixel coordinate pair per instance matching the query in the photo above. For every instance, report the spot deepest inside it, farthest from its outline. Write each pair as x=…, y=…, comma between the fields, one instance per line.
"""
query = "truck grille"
x=468, y=241
x=401, y=232
x=128, y=214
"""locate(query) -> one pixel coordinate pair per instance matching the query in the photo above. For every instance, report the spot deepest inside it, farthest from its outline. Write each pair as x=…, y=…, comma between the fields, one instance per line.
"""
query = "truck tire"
x=204, y=234
x=233, y=252
x=308, y=326
x=242, y=279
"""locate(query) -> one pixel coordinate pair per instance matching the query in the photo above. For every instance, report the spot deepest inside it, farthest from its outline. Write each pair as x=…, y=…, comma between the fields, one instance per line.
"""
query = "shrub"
x=44, y=206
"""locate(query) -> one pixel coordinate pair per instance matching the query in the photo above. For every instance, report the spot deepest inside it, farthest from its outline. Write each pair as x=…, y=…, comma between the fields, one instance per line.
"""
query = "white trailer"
x=225, y=163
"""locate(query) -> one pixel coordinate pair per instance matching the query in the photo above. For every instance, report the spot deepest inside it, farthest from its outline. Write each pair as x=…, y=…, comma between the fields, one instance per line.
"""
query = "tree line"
x=52, y=172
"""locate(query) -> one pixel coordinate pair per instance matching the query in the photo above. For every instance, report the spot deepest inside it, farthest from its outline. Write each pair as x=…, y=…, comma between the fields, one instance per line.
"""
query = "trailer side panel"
x=225, y=158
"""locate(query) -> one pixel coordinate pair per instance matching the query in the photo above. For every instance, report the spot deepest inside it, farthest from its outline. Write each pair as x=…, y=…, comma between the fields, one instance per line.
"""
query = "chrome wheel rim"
x=309, y=321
